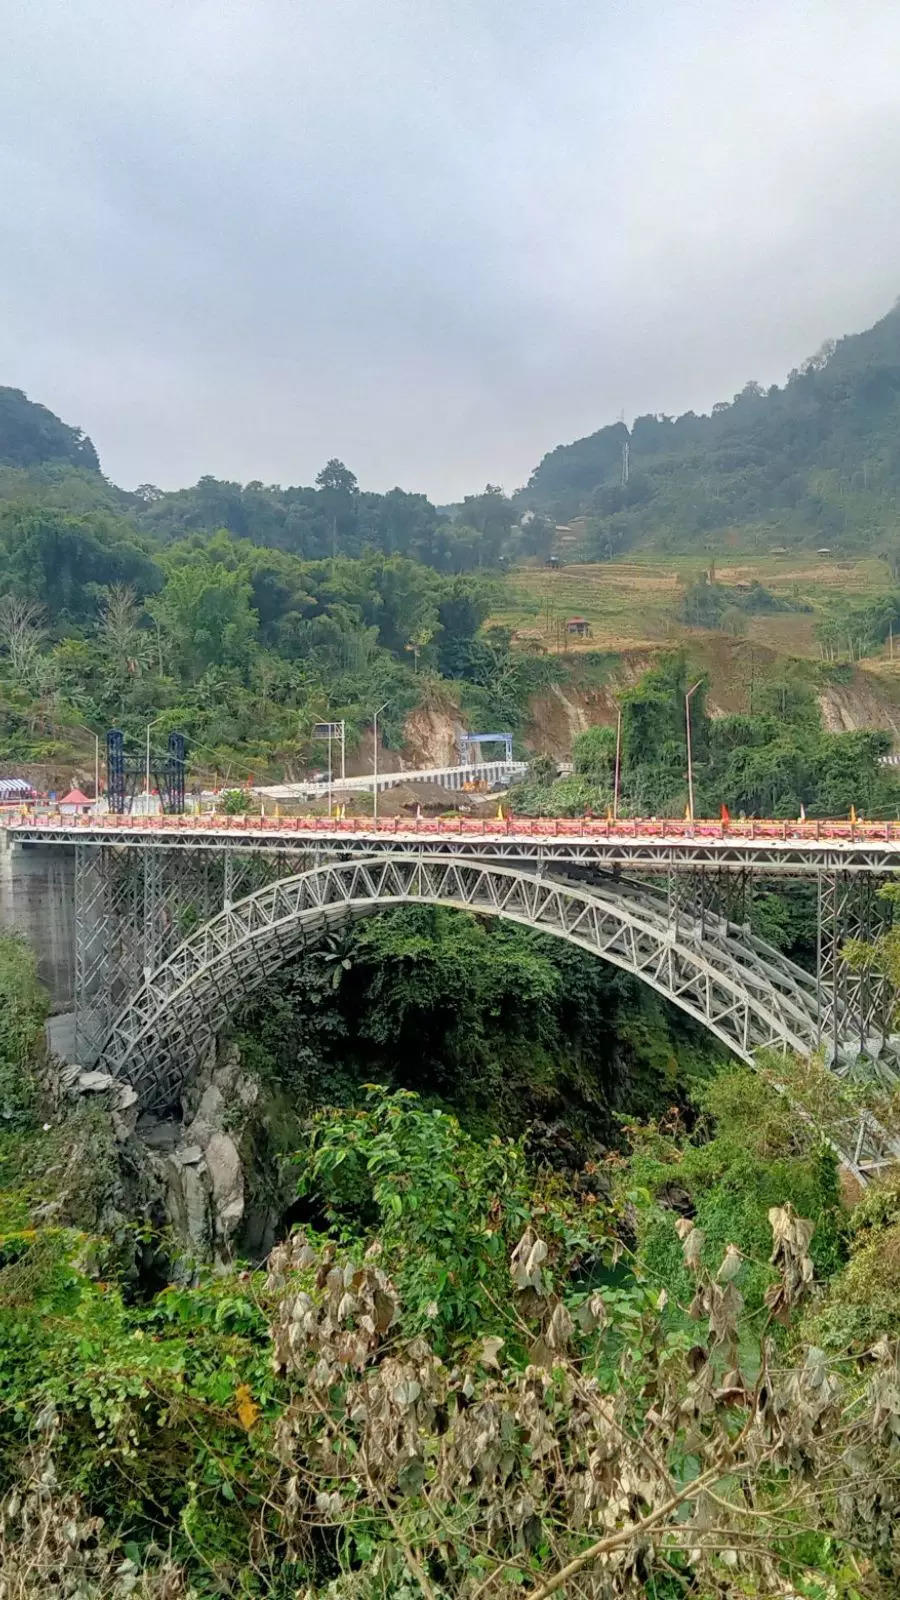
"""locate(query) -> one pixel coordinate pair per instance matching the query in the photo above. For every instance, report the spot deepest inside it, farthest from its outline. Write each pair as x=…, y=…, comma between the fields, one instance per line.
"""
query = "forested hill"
x=815, y=462
x=31, y=436
x=46, y=463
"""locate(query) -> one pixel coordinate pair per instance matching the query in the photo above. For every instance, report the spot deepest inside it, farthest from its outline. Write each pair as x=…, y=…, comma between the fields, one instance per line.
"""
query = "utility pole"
x=687, y=724
x=147, y=765
x=328, y=731
x=618, y=763
x=375, y=759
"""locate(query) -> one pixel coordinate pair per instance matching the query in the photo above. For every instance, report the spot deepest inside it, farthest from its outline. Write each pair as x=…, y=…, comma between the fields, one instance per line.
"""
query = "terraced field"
x=630, y=605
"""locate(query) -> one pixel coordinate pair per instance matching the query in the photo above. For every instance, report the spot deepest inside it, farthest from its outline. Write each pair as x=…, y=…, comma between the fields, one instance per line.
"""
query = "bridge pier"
x=131, y=908
x=37, y=901
x=855, y=1004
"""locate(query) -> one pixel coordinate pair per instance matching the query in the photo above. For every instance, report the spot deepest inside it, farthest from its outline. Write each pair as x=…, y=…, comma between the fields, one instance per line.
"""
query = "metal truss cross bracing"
x=134, y=907
x=855, y=1002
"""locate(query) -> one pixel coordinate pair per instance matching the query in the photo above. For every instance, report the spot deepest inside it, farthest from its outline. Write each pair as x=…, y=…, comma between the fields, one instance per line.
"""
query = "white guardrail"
x=489, y=772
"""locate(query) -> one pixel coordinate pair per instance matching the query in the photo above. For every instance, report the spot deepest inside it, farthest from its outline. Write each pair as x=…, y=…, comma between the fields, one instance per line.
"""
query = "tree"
x=492, y=514
x=23, y=636
x=702, y=603
x=121, y=631
x=339, y=492
x=407, y=603
x=335, y=478
x=206, y=613
x=733, y=620
x=462, y=608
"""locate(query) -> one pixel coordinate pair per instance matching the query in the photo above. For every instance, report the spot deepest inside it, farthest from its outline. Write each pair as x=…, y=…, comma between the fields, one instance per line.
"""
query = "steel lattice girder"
x=798, y=857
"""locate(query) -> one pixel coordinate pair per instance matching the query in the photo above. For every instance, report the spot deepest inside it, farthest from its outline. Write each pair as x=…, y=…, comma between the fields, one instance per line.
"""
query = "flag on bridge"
x=852, y=813
x=726, y=814
x=802, y=812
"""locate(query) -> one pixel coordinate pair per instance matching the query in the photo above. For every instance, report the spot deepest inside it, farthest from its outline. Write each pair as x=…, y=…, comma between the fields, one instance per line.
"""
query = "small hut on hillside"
x=578, y=627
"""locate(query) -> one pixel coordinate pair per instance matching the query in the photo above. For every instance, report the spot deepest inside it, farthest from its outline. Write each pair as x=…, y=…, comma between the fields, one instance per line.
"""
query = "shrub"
x=23, y=1012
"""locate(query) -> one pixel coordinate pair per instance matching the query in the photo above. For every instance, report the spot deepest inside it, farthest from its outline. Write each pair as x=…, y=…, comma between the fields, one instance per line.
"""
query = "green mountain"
x=31, y=436
x=814, y=462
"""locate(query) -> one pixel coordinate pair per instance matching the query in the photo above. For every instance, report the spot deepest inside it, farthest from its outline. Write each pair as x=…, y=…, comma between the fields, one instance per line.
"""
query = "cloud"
x=435, y=239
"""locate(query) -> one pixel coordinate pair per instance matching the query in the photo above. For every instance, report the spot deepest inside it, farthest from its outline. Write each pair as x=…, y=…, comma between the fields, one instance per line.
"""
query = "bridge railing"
x=650, y=828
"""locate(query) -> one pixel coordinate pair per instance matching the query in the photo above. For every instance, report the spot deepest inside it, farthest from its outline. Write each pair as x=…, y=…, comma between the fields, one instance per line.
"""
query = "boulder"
x=125, y=1112
x=187, y=1207
x=209, y=1118
x=94, y=1082
x=226, y=1176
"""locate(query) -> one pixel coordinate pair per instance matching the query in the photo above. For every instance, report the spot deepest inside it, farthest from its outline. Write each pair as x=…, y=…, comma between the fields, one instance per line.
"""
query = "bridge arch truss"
x=744, y=992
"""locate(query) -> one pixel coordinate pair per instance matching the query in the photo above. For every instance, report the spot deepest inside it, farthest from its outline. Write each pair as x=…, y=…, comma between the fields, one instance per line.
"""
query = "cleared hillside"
x=632, y=604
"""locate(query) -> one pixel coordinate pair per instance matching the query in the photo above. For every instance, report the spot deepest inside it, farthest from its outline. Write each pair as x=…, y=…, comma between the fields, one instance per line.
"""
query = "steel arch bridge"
x=742, y=990
x=175, y=923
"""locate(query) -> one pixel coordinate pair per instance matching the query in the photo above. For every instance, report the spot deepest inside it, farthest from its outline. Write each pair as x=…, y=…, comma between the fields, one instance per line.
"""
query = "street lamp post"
x=690, y=764
x=375, y=759
x=147, y=764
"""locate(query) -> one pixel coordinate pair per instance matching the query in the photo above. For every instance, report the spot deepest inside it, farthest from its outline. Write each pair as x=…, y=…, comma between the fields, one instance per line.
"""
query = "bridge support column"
x=854, y=1004
x=108, y=940
x=133, y=907
x=700, y=896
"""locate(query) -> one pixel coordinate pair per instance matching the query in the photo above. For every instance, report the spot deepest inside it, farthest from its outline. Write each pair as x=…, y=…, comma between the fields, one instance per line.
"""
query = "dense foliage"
x=242, y=648
x=519, y=1032
x=336, y=517
x=449, y=1385
x=23, y=1011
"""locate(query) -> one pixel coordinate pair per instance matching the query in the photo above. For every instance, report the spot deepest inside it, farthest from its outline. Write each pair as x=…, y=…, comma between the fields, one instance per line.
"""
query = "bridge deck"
x=797, y=848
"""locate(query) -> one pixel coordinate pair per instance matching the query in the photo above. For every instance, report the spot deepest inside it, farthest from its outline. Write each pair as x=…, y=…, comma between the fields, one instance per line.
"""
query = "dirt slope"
x=870, y=699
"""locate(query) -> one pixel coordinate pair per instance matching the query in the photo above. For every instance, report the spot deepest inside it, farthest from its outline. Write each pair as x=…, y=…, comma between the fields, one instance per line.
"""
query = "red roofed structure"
x=73, y=802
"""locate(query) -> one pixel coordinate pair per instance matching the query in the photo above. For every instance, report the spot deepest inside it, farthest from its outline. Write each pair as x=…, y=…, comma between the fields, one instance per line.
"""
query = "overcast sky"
x=433, y=237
